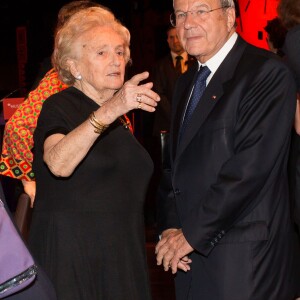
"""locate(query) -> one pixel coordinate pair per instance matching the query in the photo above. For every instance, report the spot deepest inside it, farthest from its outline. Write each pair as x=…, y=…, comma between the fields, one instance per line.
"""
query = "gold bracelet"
x=99, y=127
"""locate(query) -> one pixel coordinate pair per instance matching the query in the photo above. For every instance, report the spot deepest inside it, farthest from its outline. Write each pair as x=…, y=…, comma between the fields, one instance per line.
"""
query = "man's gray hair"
x=227, y=3
x=224, y=3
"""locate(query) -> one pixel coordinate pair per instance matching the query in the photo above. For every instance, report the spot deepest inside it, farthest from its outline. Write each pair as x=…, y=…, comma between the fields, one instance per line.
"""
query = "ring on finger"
x=139, y=105
x=139, y=98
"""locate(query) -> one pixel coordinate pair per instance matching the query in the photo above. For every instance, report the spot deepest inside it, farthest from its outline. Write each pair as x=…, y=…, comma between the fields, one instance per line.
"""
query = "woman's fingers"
x=136, y=79
x=140, y=96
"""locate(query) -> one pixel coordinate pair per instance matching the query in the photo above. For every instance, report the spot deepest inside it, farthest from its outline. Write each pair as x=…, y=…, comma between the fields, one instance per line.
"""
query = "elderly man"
x=225, y=219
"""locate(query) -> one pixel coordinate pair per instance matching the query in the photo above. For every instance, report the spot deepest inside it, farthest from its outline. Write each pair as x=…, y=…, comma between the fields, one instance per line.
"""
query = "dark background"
x=146, y=20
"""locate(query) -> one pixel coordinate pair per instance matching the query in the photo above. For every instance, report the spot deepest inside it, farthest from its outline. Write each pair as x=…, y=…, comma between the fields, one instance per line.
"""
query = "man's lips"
x=195, y=37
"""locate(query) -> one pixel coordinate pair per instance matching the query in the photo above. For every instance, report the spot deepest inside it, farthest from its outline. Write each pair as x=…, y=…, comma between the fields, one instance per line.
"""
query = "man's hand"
x=172, y=251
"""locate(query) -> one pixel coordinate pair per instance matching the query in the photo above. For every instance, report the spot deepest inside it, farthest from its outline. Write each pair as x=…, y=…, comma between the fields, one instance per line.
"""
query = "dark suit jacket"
x=229, y=189
x=164, y=79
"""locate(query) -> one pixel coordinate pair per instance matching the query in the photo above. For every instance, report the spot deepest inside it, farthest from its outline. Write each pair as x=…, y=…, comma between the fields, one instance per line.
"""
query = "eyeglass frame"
x=173, y=14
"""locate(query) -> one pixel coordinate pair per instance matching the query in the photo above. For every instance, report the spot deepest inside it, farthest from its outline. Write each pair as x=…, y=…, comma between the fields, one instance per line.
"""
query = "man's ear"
x=231, y=18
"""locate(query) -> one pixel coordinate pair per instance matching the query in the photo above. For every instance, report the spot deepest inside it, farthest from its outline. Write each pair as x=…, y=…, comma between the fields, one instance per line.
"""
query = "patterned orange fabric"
x=16, y=156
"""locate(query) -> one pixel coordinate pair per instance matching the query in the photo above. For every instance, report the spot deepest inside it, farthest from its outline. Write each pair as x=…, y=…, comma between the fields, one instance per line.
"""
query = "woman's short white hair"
x=78, y=24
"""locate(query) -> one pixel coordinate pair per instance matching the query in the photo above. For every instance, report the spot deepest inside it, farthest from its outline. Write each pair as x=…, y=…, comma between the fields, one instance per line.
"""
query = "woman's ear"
x=73, y=69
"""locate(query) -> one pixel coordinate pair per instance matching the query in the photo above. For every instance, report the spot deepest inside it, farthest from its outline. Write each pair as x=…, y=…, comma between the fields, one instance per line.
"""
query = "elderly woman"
x=91, y=173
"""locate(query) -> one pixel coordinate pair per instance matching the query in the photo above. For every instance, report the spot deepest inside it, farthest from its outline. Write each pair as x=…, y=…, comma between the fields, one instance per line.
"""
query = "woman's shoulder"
x=62, y=94
x=65, y=97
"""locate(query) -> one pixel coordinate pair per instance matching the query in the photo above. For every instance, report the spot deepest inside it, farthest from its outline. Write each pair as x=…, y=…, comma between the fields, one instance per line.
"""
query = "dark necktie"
x=178, y=64
x=199, y=87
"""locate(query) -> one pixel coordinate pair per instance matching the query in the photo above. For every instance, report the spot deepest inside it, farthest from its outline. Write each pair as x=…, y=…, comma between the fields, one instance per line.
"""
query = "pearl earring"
x=78, y=77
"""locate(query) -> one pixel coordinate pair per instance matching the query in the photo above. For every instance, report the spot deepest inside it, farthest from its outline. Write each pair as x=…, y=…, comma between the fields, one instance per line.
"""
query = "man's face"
x=173, y=41
x=203, y=34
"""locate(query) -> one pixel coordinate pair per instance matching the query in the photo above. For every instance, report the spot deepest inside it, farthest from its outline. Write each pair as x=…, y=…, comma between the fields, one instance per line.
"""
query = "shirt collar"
x=214, y=62
x=184, y=55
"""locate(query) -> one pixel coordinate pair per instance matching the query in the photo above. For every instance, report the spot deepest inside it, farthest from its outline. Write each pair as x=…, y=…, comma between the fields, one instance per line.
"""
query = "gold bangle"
x=99, y=127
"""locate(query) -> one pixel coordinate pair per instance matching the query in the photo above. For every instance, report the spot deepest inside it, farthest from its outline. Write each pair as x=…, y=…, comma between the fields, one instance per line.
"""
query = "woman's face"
x=101, y=59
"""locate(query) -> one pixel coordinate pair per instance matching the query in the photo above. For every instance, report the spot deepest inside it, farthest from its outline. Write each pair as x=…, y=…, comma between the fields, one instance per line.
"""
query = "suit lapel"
x=210, y=98
x=181, y=98
x=170, y=62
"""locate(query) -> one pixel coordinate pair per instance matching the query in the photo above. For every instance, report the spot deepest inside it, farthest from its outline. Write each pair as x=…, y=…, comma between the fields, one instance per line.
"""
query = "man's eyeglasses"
x=179, y=17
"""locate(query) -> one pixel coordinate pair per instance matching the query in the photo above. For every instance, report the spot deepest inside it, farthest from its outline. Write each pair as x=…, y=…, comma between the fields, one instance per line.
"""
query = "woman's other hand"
x=29, y=189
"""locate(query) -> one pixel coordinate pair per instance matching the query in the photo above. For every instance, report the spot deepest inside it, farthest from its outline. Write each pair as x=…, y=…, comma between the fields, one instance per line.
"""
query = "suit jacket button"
x=177, y=192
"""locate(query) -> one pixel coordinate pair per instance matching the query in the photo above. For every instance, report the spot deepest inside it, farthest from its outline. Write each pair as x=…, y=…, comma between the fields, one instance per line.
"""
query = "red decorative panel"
x=254, y=15
x=10, y=105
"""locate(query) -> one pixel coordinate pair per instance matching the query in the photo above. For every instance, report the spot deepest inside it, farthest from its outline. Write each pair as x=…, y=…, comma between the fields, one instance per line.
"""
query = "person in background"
x=92, y=174
x=289, y=13
x=225, y=220
x=16, y=156
x=276, y=33
x=165, y=73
